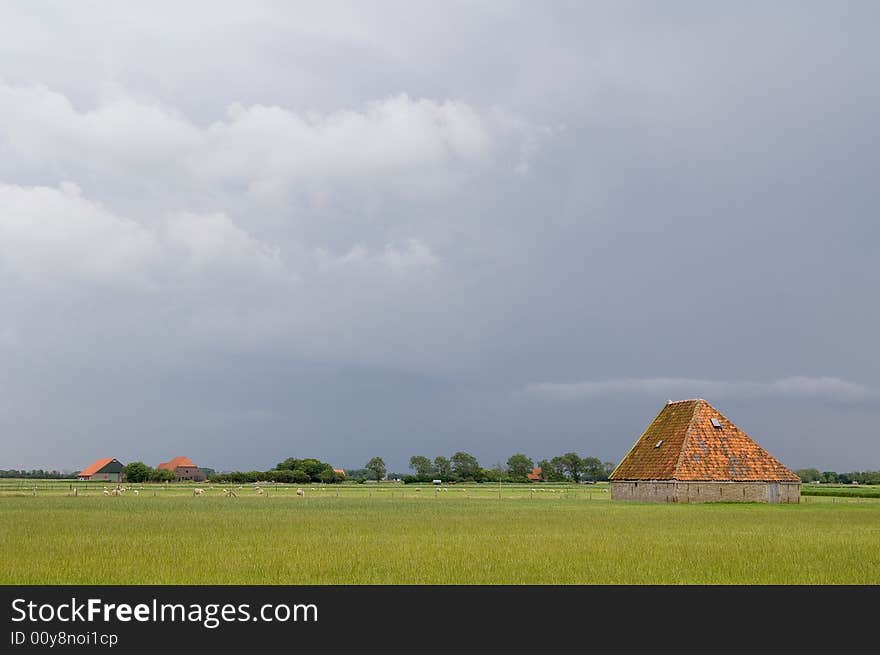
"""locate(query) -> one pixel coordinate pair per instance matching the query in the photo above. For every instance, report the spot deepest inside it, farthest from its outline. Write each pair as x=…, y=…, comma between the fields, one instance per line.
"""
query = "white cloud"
x=797, y=387
x=52, y=236
x=206, y=241
x=822, y=387
x=120, y=135
x=400, y=259
x=57, y=234
x=396, y=145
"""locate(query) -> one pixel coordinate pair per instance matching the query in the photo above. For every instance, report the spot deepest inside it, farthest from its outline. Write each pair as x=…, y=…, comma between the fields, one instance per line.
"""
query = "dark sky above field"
x=258, y=230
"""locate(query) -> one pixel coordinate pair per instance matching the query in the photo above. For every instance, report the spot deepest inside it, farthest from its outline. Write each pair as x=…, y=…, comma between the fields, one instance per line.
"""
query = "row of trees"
x=291, y=470
x=574, y=468
x=140, y=472
x=461, y=467
x=832, y=477
x=35, y=474
x=464, y=467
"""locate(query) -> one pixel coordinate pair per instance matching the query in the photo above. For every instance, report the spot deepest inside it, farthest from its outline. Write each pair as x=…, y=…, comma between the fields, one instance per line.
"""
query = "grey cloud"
x=351, y=229
x=219, y=282
x=794, y=387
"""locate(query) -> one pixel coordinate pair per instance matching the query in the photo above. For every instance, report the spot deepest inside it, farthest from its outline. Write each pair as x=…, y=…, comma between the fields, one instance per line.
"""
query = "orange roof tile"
x=535, y=474
x=95, y=466
x=340, y=472
x=682, y=444
x=174, y=463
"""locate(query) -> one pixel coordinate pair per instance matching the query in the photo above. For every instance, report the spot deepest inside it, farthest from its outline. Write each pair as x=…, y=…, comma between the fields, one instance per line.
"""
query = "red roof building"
x=691, y=452
x=536, y=475
x=108, y=469
x=184, y=469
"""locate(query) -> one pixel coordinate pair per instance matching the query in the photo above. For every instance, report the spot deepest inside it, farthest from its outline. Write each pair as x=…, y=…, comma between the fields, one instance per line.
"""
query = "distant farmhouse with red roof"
x=183, y=469
x=692, y=453
x=536, y=475
x=339, y=472
x=108, y=469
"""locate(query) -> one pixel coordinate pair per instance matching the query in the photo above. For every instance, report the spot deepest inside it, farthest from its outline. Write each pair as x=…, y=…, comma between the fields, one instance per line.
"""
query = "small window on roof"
x=715, y=423
x=658, y=444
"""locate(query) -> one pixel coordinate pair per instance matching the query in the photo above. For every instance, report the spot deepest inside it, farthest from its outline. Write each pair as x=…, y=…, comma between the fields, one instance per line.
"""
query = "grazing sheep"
x=198, y=492
x=259, y=491
x=106, y=493
x=230, y=493
x=300, y=492
x=116, y=492
x=137, y=493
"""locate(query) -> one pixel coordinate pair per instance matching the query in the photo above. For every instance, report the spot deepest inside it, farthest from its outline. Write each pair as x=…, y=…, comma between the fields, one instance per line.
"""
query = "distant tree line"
x=36, y=474
x=291, y=470
x=832, y=477
x=573, y=468
x=464, y=467
x=358, y=475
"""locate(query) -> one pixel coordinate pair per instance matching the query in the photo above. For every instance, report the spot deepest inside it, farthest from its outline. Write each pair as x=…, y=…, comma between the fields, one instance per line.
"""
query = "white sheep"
x=300, y=492
x=259, y=491
x=106, y=493
x=198, y=492
x=137, y=493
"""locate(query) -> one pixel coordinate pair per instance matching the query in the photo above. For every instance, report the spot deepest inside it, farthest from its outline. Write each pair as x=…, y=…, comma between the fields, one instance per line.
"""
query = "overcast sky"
x=258, y=230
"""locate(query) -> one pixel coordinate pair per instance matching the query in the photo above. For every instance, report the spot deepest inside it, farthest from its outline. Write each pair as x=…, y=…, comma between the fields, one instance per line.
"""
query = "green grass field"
x=363, y=534
x=843, y=491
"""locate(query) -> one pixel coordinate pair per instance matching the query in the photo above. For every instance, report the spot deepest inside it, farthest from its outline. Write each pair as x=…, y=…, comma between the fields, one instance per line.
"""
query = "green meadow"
x=844, y=491
x=62, y=533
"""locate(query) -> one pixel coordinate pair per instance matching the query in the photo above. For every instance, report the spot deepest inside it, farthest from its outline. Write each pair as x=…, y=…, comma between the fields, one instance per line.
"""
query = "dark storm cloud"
x=389, y=229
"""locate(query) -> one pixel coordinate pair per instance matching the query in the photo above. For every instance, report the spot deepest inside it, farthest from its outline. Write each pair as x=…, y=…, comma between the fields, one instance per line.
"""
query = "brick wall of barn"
x=705, y=492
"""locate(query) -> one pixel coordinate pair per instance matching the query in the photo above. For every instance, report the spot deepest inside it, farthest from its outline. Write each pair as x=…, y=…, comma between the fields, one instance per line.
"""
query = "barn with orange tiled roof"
x=108, y=469
x=692, y=453
x=184, y=469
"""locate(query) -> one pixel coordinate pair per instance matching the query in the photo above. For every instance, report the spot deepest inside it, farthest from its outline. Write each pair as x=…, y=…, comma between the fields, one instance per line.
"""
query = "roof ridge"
x=687, y=436
x=633, y=447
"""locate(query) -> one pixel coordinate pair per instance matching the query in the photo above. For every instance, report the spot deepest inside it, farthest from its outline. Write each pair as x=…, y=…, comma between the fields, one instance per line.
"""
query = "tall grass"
x=373, y=539
x=852, y=491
